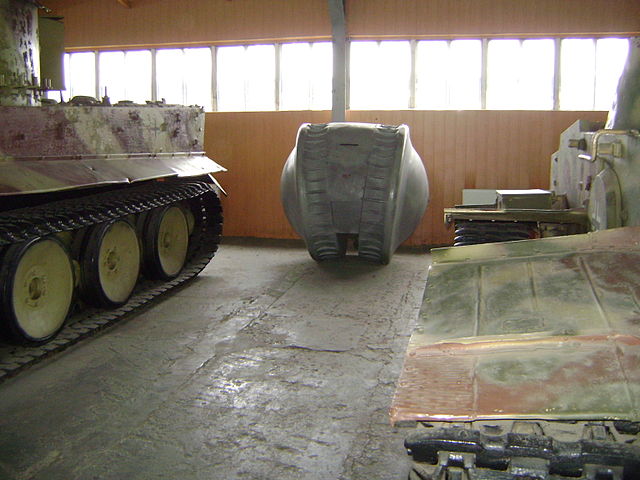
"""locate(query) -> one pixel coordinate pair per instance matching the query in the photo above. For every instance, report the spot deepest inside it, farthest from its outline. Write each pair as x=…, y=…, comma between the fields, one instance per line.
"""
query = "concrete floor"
x=267, y=366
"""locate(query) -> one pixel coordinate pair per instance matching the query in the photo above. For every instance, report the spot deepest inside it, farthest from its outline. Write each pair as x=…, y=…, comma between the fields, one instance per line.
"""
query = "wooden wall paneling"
x=100, y=23
x=253, y=146
x=436, y=164
x=491, y=17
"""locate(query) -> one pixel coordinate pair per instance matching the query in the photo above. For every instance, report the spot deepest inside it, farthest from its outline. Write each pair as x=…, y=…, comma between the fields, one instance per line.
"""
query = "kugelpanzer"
x=98, y=201
x=354, y=181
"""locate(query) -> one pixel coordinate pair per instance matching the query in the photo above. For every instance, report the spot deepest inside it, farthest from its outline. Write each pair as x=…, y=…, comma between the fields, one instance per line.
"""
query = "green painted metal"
x=544, y=329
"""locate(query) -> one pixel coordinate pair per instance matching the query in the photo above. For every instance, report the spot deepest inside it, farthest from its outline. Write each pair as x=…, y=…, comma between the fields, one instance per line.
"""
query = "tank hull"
x=525, y=359
x=63, y=147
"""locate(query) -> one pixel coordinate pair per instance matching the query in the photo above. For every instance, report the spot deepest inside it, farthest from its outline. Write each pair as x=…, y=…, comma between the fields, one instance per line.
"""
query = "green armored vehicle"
x=103, y=207
x=525, y=361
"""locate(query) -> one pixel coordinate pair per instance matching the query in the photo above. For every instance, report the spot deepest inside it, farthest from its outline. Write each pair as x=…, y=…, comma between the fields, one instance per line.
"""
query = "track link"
x=525, y=449
x=68, y=215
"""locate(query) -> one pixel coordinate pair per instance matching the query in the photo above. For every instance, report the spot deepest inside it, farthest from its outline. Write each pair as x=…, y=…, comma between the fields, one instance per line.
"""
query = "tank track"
x=379, y=183
x=322, y=241
x=525, y=449
x=25, y=224
x=469, y=232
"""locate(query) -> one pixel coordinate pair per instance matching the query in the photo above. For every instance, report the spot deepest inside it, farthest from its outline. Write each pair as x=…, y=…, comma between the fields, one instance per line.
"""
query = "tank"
x=357, y=182
x=524, y=362
x=99, y=201
x=594, y=179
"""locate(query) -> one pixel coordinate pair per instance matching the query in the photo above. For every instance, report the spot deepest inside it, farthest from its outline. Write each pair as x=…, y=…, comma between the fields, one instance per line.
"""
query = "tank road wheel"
x=166, y=240
x=37, y=288
x=110, y=263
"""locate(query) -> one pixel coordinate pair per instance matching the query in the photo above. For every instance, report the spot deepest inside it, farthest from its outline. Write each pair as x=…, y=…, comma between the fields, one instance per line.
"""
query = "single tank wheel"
x=166, y=240
x=37, y=288
x=110, y=263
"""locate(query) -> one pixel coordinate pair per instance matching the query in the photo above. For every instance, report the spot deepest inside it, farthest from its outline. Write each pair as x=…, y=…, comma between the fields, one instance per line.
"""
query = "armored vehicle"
x=525, y=361
x=356, y=181
x=98, y=201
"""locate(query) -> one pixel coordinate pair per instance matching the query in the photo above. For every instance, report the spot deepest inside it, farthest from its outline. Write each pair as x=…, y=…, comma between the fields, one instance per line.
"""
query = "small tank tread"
x=472, y=232
x=23, y=225
x=525, y=449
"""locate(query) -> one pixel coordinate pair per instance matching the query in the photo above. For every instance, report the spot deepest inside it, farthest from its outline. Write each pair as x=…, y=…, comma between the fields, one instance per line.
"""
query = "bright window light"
x=306, y=71
x=231, y=75
x=589, y=73
x=126, y=75
x=246, y=78
x=197, y=77
x=260, y=82
x=82, y=74
x=520, y=74
x=184, y=76
x=611, y=55
x=577, y=73
x=448, y=74
x=380, y=73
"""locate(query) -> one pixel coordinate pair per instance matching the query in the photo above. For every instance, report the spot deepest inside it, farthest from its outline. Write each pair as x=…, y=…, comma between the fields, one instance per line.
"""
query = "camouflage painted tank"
x=525, y=359
x=98, y=202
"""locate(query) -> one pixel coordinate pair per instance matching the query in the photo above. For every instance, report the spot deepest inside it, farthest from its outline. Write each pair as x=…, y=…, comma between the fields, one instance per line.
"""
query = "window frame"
x=411, y=105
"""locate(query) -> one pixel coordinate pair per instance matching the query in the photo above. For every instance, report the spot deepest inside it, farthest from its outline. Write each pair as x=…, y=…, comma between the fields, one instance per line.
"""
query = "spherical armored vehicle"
x=354, y=180
x=98, y=201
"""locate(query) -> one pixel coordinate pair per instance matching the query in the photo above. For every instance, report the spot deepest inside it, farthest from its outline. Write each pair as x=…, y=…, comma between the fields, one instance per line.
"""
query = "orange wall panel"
x=253, y=146
x=106, y=23
x=491, y=17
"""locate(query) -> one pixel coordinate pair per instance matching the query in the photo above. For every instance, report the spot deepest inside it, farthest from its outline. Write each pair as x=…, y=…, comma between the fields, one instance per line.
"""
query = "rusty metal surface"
x=61, y=147
x=546, y=329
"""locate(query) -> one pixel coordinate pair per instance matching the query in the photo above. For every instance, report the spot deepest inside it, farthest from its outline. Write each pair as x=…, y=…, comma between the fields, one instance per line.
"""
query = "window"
x=611, y=55
x=125, y=75
x=246, y=78
x=81, y=68
x=520, y=74
x=380, y=73
x=183, y=76
x=527, y=74
x=448, y=74
x=589, y=72
x=306, y=71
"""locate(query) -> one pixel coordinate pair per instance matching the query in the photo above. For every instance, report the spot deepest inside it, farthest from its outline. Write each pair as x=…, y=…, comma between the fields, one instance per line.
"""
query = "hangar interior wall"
x=461, y=149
